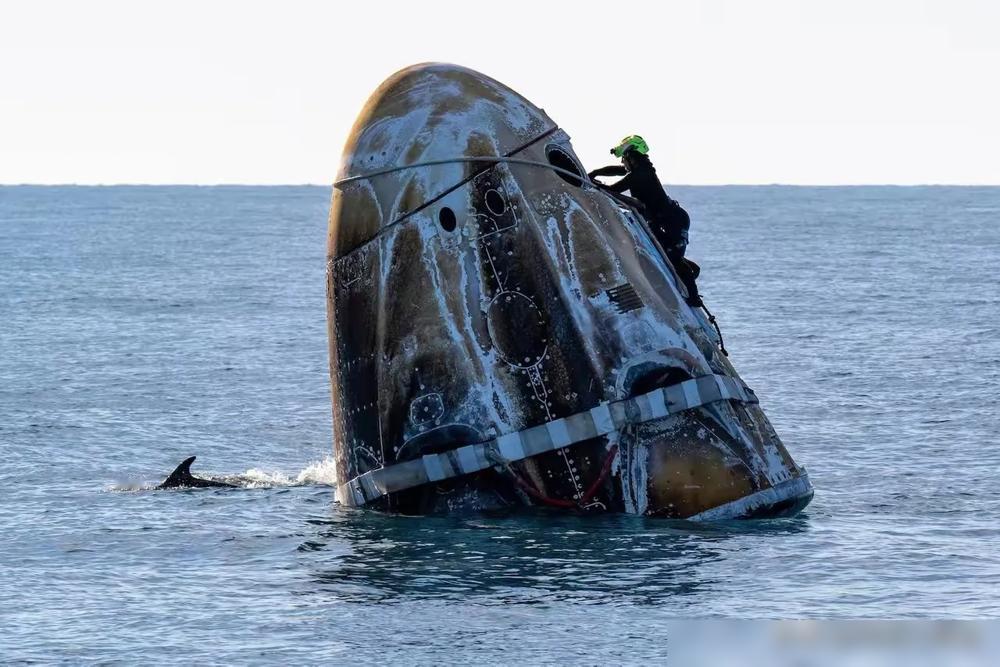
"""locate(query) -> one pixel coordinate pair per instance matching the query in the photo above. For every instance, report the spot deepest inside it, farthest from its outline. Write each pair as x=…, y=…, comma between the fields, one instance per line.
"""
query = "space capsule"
x=503, y=332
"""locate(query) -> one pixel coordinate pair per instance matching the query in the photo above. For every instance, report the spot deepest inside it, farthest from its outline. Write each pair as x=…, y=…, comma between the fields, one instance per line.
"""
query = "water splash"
x=317, y=473
x=322, y=473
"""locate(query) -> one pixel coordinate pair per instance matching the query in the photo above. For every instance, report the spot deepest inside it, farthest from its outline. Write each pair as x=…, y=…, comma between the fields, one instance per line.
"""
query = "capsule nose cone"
x=419, y=116
x=438, y=111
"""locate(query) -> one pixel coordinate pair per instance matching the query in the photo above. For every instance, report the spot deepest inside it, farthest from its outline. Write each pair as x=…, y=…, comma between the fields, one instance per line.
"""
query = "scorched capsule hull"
x=502, y=332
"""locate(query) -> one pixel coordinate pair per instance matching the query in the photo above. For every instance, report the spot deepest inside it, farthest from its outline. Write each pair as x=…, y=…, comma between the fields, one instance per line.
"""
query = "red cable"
x=600, y=478
x=539, y=496
x=558, y=502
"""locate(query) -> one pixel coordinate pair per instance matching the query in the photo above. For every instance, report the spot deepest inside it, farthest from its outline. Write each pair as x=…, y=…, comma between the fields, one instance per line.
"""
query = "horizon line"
x=330, y=185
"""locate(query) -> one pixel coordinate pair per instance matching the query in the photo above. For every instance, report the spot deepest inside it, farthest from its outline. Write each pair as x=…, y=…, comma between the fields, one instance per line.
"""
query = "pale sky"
x=838, y=92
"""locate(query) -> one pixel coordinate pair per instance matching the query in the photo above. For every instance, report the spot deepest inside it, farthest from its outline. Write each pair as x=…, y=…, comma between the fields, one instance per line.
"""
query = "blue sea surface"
x=140, y=325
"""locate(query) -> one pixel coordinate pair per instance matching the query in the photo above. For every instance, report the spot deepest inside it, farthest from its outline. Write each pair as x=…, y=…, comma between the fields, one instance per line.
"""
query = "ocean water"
x=140, y=325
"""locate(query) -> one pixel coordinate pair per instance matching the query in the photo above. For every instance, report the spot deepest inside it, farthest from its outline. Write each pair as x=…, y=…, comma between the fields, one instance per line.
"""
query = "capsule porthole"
x=559, y=158
x=447, y=219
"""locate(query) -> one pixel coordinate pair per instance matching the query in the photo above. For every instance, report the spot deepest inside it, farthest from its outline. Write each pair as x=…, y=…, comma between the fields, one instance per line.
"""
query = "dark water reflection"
x=524, y=558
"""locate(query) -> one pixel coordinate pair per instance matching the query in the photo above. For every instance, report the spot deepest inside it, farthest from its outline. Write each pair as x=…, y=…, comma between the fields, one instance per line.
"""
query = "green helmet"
x=630, y=142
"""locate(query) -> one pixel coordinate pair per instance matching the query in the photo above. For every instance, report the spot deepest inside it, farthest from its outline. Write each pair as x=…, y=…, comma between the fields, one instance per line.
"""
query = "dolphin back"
x=182, y=477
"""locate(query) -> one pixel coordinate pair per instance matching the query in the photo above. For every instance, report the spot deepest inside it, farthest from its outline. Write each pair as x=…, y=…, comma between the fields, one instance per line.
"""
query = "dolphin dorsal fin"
x=181, y=476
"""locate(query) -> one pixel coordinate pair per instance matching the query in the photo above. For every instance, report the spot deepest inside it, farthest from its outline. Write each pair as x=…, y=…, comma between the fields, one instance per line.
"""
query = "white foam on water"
x=323, y=472
x=127, y=486
x=319, y=472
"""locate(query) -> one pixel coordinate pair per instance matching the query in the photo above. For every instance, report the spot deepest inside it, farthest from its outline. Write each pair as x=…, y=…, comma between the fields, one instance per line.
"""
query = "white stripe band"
x=724, y=391
x=435, y=472
x=467, y=459
x=691, y=396
x=510, y=446
x=551, y=436
x=658, y=404
x=558, y=433
x=602, y=419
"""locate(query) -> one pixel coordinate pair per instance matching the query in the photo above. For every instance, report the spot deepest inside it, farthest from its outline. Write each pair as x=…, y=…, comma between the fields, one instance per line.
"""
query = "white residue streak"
x=630, y=466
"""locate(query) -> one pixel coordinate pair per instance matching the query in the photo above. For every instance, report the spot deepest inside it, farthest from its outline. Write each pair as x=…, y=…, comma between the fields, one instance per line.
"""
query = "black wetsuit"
x=668, y=221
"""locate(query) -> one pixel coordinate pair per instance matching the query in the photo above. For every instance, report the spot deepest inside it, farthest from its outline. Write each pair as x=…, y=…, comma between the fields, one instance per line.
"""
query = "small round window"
x=559, y=158
x=447, y=219
x=495, y=202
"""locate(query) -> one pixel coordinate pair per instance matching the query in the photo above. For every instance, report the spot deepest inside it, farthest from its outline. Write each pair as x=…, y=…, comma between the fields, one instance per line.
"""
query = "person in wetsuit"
x=668, y=221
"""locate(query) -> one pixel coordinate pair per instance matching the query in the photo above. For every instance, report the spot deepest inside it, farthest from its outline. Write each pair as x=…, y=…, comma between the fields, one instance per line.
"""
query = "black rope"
x=711, y=319
x=631, y=202
x=490, y=164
